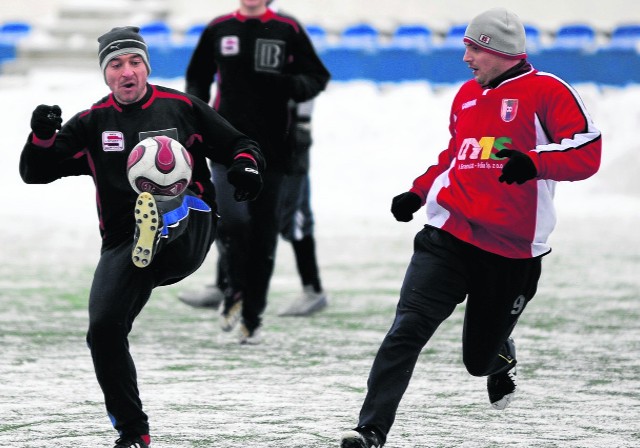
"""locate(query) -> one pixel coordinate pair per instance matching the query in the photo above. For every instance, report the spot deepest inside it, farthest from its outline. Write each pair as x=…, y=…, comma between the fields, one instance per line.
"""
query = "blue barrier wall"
x=169, y=61
x=444, y=65
x=7, y=52
x=617, y=67
x=438, y=65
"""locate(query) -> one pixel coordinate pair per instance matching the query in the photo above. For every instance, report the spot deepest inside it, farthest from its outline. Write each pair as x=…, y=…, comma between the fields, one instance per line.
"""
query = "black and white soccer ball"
x=160, y=166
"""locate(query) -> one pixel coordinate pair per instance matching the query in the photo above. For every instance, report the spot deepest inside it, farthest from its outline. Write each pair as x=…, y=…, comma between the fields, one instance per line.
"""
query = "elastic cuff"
x=43, y=143
x=245, y=155
x=535, y=158
x=423, y=199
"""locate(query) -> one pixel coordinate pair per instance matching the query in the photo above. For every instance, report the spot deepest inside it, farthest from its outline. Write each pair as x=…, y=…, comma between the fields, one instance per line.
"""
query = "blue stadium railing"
x=575, y=58
x=439, y=65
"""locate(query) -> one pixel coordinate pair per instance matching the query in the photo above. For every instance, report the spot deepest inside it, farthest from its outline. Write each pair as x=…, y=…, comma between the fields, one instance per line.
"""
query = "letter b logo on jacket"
x=269, y=55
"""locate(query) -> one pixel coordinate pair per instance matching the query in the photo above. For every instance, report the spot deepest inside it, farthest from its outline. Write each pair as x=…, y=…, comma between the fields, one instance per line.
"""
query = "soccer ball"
x=160, y=166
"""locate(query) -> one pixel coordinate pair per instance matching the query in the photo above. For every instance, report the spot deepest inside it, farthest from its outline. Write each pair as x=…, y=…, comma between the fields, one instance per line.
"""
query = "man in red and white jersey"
x=515, y=133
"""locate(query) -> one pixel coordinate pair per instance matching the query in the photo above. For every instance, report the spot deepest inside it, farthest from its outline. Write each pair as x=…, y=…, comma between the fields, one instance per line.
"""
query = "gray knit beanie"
x=498, y=31
x=119, y=41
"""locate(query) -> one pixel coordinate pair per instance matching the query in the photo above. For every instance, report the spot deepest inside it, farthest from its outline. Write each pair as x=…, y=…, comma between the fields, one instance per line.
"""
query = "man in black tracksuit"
x=97, y=142
x=260, y=60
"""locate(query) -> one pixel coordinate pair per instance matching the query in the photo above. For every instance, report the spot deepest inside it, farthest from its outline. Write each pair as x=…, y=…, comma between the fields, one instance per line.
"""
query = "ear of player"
x=45, y=120
x=243, y=174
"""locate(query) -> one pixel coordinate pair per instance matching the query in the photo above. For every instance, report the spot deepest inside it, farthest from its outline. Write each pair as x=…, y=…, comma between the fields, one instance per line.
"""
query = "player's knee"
x=105, y=328
x=411, y=326
x=476, y=366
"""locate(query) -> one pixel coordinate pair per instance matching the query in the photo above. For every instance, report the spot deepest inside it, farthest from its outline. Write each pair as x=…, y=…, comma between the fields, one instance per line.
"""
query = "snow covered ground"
x=578, y=342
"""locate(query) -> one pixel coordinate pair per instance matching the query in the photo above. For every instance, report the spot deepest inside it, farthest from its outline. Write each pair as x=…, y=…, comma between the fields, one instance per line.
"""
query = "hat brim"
x=468, y=40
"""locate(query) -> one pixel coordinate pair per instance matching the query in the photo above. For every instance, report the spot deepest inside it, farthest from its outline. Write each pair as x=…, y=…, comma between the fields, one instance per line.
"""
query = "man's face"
x=484, y=65
x=126, y=76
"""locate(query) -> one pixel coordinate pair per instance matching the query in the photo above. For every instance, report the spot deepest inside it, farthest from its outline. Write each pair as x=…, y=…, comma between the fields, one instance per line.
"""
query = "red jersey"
x=533, y=112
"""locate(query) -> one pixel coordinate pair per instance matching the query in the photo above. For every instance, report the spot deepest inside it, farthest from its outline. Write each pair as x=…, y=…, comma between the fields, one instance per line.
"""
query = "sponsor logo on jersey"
x=269, y=55
x=230, y=45
x=112, y=141
x=484, y=149
x=509, y=109
x=469, y=104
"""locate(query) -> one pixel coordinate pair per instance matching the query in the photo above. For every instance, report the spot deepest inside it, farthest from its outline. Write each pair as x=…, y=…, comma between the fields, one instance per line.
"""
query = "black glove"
x=243, y=174
x=45, y=120
x=519, y=168
x=405, y=205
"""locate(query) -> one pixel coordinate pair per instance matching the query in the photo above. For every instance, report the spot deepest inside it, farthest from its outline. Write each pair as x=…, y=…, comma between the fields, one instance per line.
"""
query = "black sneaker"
x=133, y=442
x=502, y=386
x=147, y=233
x=361, y=437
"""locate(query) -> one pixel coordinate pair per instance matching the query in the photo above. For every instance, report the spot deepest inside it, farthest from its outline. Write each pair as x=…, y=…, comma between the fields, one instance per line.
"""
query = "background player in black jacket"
x=297, y=221
x=260, y=60
x=296, y=226
x=133, y=111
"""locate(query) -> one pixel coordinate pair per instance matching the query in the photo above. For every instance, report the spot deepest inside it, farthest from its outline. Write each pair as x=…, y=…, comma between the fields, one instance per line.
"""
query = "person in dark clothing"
x=296, y=227
x=515, y=133
x=260, y=60
x=296, y=215
x=177, y=232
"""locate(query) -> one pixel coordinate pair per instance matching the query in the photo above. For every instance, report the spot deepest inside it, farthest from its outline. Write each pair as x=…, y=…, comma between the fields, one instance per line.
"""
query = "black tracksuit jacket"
x=98, y=141
x=259, y=64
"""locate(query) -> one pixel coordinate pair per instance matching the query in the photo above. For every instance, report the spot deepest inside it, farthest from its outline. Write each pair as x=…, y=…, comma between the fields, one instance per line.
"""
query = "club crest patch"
x=485, y=39
x=230, y=46
x=509, y=109
x=112, y=141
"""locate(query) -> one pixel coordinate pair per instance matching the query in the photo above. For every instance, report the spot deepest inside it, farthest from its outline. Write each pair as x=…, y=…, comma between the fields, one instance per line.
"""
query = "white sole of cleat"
x=148, y=225
x=353, y=439
x=503, y=403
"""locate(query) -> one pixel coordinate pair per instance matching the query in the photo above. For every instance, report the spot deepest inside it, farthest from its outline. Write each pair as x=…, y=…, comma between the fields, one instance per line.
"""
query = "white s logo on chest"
x=230, y=45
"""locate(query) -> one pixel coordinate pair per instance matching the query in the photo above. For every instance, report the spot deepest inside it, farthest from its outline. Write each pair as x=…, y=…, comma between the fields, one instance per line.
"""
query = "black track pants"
x=118, y=293
x=442, y=272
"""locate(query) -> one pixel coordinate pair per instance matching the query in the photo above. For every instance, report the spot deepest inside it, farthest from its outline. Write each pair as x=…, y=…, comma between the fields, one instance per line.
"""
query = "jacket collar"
x=268, y=15
x=520, y=68
x=138, y=104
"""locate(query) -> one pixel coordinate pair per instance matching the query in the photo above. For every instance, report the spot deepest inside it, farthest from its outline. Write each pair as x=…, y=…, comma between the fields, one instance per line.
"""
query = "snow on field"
x=579, y=342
